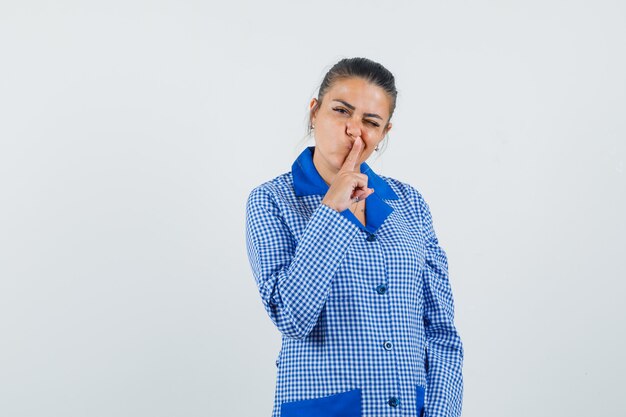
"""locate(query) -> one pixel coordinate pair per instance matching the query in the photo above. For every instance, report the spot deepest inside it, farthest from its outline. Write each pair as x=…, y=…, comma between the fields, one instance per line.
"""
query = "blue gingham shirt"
x=365, y=312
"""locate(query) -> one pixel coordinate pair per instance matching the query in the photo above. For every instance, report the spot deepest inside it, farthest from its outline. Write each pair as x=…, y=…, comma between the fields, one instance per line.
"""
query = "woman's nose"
x=353, y=129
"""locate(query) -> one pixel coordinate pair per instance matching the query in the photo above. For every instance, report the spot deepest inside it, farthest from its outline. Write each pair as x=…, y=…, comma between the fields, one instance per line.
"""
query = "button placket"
x=387, y=345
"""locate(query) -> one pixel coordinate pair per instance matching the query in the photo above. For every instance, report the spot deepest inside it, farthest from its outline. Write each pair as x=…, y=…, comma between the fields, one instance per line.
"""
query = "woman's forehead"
x=360, y=93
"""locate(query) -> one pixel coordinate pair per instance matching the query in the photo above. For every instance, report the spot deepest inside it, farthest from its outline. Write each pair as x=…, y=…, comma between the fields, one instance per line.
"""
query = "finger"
x=365, y=193
x=362, y=194
x=361, y=178
x=353, y=157
x=359, y=184
x=358, y=195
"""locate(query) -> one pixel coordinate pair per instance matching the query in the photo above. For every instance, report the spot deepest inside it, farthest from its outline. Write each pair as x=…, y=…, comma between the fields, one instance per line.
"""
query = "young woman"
x=350, y=270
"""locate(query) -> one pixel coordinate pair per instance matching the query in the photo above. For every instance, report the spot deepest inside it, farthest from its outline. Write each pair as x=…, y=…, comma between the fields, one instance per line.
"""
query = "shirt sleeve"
x=444, y=350
x=294, y=275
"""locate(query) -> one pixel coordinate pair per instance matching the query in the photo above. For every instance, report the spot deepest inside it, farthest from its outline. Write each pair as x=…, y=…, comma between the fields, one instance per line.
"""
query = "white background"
x=131, y=133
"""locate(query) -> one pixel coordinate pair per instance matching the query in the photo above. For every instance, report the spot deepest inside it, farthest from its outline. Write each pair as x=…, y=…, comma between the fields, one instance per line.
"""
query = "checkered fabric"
x=365, y=312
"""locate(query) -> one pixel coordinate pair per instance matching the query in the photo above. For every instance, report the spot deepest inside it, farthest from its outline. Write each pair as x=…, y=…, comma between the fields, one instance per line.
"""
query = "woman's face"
x=351, y=107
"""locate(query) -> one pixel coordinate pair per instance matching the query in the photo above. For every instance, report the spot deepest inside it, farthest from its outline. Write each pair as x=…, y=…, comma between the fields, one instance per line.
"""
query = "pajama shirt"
x=365, y=312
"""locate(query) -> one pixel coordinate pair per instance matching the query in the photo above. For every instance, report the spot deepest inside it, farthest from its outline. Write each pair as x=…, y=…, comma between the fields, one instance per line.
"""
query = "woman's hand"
x=348, y=185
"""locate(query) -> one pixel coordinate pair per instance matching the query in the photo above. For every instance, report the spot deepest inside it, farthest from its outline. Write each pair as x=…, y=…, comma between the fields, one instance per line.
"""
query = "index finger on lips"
x=351, y=160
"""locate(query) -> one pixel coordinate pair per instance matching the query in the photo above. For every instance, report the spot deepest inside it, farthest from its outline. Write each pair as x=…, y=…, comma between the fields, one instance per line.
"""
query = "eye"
x=373, y=123
x=340, y=110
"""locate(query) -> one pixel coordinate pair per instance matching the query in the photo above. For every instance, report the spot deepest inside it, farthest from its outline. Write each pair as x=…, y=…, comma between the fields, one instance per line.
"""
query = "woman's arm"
x=294, y=277
x=444, y=350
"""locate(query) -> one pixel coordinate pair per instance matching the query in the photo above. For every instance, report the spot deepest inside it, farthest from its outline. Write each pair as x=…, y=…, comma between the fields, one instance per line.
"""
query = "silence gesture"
x=348, y=185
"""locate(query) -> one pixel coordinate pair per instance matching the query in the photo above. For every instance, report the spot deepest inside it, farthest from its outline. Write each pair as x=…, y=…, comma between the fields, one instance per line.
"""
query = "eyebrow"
x=351, y=107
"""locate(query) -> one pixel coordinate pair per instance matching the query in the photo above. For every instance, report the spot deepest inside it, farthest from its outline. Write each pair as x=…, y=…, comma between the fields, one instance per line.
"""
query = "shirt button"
x=381, y=289
x=393, y=401
x=371, y=237
x=387, y=345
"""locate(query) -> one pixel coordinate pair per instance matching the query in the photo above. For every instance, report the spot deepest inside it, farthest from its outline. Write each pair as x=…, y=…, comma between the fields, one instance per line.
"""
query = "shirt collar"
x=307, y=181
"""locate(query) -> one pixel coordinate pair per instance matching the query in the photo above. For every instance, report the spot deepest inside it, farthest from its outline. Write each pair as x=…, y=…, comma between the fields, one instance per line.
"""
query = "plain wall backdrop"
x=131, y=133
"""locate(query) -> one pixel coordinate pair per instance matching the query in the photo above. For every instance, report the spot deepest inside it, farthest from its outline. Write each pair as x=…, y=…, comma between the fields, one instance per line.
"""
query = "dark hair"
x=367, y=69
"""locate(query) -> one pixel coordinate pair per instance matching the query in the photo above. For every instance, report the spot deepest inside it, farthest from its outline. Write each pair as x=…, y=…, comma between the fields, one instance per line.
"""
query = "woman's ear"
x=313, y=107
